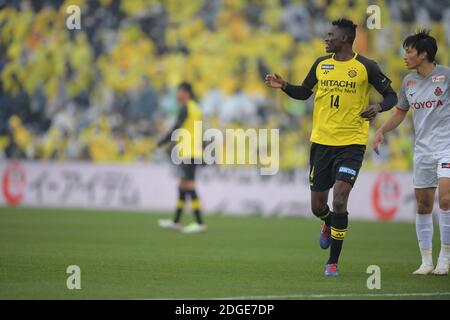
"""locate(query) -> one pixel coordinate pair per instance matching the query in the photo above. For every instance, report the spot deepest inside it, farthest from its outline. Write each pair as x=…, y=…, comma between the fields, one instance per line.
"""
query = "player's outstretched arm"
x=182, y=115
x=396, y=118
x=273, y=80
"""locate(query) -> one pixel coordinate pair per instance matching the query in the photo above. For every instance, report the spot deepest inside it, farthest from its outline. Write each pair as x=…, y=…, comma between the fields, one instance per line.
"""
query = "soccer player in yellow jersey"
x=341, y=82
x=190, y=158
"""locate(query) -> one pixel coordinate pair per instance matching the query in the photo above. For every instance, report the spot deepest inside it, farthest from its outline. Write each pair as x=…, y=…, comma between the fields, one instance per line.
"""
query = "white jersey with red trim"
x=429, y=98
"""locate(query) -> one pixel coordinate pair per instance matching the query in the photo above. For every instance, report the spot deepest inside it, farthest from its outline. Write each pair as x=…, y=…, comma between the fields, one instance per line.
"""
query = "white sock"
x=424, y=231
x=444, y=226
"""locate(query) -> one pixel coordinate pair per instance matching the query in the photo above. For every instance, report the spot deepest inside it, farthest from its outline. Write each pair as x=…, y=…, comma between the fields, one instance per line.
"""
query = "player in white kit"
x=426, y=90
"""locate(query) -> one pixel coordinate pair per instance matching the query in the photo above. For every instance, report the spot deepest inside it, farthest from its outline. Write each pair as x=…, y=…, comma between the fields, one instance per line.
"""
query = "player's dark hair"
x=348, y=27
x=422, y=42
x=186, y=86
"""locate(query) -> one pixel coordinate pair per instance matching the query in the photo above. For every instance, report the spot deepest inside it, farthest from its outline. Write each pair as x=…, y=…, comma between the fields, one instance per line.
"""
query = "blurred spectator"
x=106, y=92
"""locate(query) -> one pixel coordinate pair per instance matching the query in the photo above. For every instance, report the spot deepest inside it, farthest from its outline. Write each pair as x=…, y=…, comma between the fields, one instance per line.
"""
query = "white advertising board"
x=153, y=187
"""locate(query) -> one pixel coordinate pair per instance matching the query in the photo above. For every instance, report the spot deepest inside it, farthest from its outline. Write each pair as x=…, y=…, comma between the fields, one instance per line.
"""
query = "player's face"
x=182, y=95
x=412, y=59
x=334, y=40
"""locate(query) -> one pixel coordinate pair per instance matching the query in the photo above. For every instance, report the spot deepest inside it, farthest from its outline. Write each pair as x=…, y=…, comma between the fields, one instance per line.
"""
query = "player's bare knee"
x=191, y=185
x=340, y=204
x=424, y=207
x=444, y=203
x=184, y=185
x=318, y=209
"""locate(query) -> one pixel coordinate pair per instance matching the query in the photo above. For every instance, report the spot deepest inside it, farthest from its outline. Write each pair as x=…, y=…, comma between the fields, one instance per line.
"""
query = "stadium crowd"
x=105, y=92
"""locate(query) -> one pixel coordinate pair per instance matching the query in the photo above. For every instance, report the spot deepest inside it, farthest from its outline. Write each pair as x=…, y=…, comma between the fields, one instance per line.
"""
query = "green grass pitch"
x=125, y=255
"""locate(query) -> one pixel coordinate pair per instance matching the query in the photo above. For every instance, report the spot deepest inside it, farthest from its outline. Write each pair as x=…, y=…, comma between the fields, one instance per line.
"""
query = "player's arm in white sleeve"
x=397, y=117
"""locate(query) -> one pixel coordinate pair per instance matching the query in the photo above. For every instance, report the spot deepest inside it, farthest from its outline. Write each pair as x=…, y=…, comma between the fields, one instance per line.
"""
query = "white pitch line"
x=337, y=295
x=318, y=296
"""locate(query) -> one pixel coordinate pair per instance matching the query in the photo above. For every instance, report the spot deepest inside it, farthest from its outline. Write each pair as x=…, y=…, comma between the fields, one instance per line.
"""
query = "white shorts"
x=429, y=168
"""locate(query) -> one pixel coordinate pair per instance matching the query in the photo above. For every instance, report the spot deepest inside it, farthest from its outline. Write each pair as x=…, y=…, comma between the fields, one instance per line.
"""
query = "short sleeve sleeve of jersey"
x=403, y=102
x=377, y=78
x=447, y=75
x=311, y=79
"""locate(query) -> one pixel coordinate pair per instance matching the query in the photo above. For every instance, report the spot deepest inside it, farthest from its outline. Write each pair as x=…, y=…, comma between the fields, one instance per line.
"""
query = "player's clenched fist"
x=371, y=112
x=273, y=80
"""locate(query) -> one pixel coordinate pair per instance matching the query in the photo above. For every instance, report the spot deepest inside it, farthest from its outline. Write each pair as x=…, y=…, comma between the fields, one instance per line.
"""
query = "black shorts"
x=331, y=163
x=186, y=171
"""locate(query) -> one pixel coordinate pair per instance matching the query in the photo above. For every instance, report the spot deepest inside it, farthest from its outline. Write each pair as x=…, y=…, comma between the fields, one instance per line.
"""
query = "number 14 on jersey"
x=334, y=101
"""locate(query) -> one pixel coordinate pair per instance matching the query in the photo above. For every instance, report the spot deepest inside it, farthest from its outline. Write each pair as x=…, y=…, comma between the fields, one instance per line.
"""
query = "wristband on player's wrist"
x=284, y=86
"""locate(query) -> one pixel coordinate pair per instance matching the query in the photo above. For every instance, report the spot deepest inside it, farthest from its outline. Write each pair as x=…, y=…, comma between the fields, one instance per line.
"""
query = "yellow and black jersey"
x=189, y=118
x=341, y=93
x=194, y=115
